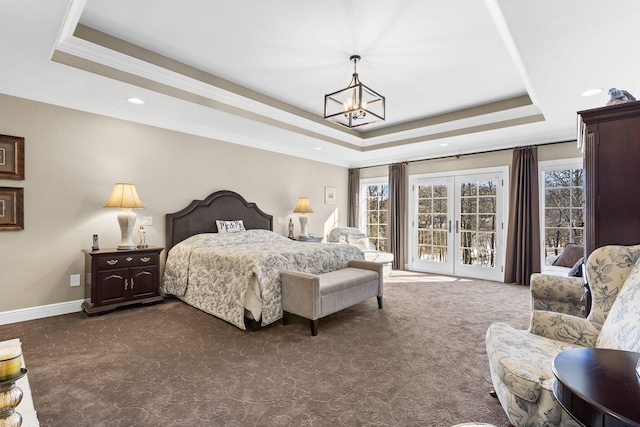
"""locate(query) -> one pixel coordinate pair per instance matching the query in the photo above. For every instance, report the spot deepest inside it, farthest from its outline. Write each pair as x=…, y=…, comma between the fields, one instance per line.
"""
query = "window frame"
x=543, y=167
x=362, y=214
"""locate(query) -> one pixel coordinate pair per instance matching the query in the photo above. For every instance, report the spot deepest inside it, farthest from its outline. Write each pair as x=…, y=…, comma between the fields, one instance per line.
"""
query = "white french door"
x=457, y=226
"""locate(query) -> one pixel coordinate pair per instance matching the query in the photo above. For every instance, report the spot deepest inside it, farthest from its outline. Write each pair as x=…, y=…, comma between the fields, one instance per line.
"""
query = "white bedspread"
x=213, y=271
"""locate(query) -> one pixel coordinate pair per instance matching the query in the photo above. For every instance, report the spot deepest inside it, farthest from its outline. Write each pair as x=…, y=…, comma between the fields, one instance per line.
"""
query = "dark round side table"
x=598, y=387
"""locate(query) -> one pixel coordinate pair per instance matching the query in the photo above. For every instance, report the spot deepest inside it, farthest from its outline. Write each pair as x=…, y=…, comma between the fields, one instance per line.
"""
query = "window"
x=562, y=205
x=374, y=198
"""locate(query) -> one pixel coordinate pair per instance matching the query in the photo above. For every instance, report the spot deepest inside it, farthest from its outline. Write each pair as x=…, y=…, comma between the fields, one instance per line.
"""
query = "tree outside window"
x=374, y=205
x=563, y=209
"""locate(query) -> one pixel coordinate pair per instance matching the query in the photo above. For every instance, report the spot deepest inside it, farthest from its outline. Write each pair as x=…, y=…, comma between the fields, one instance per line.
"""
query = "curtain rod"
x=457, y=156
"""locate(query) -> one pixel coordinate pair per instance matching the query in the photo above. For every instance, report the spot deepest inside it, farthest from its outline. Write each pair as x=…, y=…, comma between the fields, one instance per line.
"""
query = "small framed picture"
x=11, y=208
x=330, y=195
x=11, y=157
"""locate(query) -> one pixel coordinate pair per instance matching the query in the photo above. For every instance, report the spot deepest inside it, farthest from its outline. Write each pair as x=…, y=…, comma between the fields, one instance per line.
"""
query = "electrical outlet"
x=280, y=220
x=75, y=280
x=147, y=220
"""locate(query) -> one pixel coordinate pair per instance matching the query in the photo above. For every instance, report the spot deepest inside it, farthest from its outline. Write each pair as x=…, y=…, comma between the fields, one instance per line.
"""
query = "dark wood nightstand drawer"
x=128, y=260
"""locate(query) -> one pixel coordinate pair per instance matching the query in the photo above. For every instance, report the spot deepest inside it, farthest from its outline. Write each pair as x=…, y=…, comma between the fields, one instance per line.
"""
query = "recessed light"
x=135, y=100
x=591, y=92
x=444, y=144
x=318, y=148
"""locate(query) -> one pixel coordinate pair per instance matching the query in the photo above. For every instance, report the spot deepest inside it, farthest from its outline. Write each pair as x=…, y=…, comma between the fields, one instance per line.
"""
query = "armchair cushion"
x=621, y=330
x=522, y=361
x=564, y=327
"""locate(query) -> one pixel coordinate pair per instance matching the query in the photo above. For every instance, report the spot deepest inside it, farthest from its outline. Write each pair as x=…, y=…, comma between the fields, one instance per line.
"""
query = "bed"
x=235, y=276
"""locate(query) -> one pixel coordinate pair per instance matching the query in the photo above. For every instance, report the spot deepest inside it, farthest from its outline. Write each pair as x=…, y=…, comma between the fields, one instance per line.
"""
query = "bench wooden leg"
x=379, y=302
x=314, y=327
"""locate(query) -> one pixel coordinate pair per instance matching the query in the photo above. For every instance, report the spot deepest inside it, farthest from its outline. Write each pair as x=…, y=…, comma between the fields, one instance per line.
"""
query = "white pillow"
x=360, y=242
x=230, y=226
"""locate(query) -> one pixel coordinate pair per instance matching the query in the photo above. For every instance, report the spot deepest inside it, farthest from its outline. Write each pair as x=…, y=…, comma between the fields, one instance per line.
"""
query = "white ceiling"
x=474, y=75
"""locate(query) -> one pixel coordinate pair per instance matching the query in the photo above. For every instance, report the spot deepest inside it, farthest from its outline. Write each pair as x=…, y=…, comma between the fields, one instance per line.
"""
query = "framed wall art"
x=11, y=208
x=11, y=157
x=330, y=195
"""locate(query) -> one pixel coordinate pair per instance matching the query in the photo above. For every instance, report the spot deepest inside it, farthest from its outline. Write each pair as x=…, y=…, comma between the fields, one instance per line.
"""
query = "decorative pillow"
x=230, y=226
x=570, y=255
x=576, y=270
x=361, y=243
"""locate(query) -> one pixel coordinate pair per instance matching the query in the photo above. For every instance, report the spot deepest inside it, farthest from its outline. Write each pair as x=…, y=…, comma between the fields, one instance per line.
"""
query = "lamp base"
x=303, y=227
x=127, y=220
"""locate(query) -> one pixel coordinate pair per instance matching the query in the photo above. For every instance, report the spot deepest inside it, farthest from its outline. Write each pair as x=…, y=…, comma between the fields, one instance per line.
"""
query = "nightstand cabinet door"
x=111, y=286
x=143, y=282
x=118, y=278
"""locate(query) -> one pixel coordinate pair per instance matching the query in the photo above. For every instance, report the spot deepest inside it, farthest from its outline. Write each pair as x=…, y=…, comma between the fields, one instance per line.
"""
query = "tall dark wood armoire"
x=611, y=139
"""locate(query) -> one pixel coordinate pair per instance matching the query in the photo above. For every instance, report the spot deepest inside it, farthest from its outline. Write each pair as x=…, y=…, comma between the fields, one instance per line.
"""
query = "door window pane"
x=432, y=223
x=478, y=230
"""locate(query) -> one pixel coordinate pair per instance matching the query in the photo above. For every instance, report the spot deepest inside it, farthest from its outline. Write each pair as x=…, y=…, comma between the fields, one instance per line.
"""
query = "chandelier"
x=355, y=105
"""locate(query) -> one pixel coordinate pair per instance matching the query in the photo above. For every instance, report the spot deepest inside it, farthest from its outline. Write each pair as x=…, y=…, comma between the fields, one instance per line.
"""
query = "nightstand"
x=116, y=278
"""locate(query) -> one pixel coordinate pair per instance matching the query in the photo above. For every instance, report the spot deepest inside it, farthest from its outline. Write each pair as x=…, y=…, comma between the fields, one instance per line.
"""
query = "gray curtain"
x=353, y=208
x=523, y=236
x=397, y=210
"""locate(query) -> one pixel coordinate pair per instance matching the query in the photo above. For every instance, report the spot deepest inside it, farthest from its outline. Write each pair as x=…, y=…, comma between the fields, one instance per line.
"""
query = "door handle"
x=456, y=226
x=126, y=284
x=449, y=226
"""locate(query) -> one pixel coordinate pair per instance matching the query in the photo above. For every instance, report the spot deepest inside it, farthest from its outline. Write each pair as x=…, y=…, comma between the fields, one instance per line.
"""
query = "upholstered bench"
x=315, y=296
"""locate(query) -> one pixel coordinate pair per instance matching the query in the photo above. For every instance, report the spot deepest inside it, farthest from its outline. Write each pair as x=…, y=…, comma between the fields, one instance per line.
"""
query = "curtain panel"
x=397, y=210
x=353, y=208
x=523, y=235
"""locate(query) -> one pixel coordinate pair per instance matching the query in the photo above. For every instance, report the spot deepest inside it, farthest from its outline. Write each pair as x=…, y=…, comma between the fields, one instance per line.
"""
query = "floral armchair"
x=353, y=236
x=520, y=360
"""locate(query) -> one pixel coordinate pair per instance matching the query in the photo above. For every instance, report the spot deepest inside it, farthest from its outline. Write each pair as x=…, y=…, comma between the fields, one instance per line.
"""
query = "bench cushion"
x=342, y=288
x=345, y=278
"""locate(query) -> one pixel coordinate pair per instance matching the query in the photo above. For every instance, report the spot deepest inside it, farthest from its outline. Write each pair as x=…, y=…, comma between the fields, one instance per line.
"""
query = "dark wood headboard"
x=201, y=215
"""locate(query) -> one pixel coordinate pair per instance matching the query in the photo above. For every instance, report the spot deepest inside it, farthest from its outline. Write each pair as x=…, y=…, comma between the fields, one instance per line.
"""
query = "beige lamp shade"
x=125, y=196
x=303, y=206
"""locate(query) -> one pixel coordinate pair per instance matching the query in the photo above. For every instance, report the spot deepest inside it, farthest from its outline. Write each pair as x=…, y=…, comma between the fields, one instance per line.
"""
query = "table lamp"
x=303, y=207
x=125, y=196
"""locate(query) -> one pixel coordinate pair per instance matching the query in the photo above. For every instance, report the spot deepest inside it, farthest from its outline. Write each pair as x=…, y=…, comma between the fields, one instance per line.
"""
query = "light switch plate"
x=147, y=220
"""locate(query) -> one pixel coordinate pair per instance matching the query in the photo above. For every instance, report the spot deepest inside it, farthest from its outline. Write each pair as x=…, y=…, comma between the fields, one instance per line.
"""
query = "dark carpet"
x=420, y=361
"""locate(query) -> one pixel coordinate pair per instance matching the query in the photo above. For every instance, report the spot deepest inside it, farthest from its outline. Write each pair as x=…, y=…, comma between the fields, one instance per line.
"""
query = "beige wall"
x=74, y=158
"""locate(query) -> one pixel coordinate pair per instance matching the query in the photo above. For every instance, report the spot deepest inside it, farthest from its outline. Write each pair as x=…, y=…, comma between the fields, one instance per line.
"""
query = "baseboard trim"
x=33, y=313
